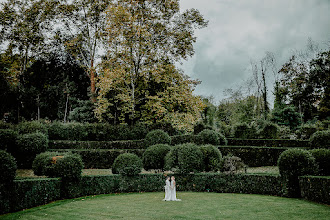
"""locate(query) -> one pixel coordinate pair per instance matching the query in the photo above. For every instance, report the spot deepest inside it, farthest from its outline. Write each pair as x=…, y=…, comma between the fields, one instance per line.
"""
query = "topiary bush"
x=154, y=156
x=68, y=167
x=305, y=131
x=28, y=146
x=200, y=126
x=231, y=164
x=7, y=139
x=320, y=139
x=127, y=164
x=57, y=131
x=269, y=131
x=138, y=131
x=322, y=159
x=7, y=168
x=184, y=158
x=29, y=127
x=157, y=137
x=212, y=158
x=293, y=163
x=43, y=164
x=244, y=131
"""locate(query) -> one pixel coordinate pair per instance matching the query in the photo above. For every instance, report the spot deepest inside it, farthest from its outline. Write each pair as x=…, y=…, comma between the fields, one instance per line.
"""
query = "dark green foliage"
x=68, y=167
x=137, y=144
x=43, y=163
x=286, y=115
x=269, y=131
x=28, y=146
x=127, y=164
x=322, y=159
x=157, y=137
x=200, y=126
x=231, y=164
x=184, y=158
x=315, y=188
x=320, y=139
x=165, y=126
x=182, y=139
x=154, y=156
x=212, y=158
x=31, y=127
x=267, y=142
x=57, y=131
x=305, y=131
x=293, y=163
x=83, y=112
x=7, y=168
x=244, y=131
x=254, y=156
x=208, y=137
x=7, y=139
x=138, y=131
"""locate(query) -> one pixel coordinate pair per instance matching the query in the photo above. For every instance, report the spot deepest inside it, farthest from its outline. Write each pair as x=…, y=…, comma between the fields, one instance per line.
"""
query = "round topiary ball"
x=322, y=158
x=269, y=131
x=157, y=137
x=8, y=139
x=184, y=158
x=7, y=167
x=212, y=158
x=154, y=156
x=209, y=137
x=43, y=164
x=127, y=164
x=320, y=139
x=200, y=126
x=68, y=167
x=293, y=163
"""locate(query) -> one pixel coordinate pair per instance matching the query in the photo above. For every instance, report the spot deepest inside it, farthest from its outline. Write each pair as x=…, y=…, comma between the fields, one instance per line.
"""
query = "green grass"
x=192, y=206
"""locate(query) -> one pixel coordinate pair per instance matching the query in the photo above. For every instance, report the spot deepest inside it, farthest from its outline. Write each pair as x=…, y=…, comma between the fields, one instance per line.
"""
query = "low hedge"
x=29, y=193
x=268, y=142
x=315, y=188
x=101, y=158
x=64, y=144
x=254, y=156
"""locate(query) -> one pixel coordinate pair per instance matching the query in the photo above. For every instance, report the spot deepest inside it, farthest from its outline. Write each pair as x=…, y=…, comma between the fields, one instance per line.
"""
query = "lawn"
x=21, y=173
x=192, y=206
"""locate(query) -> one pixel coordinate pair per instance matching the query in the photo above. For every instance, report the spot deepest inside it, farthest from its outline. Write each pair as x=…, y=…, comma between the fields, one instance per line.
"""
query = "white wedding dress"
x=173, y=192
x=167, y=191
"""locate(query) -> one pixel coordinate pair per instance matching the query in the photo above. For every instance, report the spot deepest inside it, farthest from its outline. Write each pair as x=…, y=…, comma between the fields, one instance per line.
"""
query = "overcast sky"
x=241, y=30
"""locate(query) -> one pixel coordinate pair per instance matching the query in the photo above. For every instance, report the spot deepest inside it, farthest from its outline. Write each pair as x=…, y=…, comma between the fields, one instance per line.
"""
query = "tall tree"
x=82, y=32
x=145, y=39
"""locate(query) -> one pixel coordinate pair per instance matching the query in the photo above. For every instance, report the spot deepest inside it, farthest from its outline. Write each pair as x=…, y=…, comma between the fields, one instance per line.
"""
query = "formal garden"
x=46, y=162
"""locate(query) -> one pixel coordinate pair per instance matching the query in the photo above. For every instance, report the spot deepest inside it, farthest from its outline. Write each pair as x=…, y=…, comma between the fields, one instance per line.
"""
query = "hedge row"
x=254, y=156
x=315, y=188
x=101, y=159
x=130, y=144
x=29, y=193
x=268, y=142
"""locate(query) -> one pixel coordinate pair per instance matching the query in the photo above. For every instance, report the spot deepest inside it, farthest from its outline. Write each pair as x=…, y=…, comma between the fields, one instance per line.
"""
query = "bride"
x=167, y=189
x=173, y=190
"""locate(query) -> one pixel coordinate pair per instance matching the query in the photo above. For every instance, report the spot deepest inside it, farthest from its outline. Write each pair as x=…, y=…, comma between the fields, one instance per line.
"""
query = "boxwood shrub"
x=32, y=127
x=320, y=139
x=315, y=188
x=212, y=158
x=8, y=139
x=293, y=163
x=322, y=159
x=244, y=131
x=28, y=146
x=269, y=130
x=200, y=126
x=184, y=158
x=157, y=137
x=154, y=156
x=127, y=164
x=7, y=168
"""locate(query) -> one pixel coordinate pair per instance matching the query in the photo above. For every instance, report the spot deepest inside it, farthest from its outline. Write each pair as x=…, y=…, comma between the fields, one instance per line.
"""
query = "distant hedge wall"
x=315, y=188
x=268, y=142
x=65, y=144
x=29, y=193
x=100, y=158
x=254, y=156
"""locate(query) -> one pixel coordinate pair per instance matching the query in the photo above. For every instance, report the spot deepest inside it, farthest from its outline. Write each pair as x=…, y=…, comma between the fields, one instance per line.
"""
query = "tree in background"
x=139, y=79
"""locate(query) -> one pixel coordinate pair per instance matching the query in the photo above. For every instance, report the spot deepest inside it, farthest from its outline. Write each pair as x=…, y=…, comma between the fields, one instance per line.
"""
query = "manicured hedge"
x=183, y=139
x=267, y=142
x=315, y=188
x=254, y=156
x=101, y=158
x=29, y=193
x=130, y=144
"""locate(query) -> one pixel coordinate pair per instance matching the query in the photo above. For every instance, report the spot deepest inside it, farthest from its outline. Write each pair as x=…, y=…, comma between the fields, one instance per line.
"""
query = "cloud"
x=242, y=30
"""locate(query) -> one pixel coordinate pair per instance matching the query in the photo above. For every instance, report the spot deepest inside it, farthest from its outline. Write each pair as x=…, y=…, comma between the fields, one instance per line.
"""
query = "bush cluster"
x=244, y=131
x=320, y=139
x=231, y=164
x=7, y=168
x=8, y=139
x=211, y=158
x=29, y=127
x=305, y=131
x=154, y=156
x=269, y=130
x=55, y=164
x=184, y=158
x=157, y=137
x=293, y=163
x=200, y=126
x=127, y=164
x=322, y=159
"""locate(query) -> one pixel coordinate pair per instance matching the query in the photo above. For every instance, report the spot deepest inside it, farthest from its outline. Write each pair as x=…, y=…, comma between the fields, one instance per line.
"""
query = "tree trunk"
x=92, y=78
